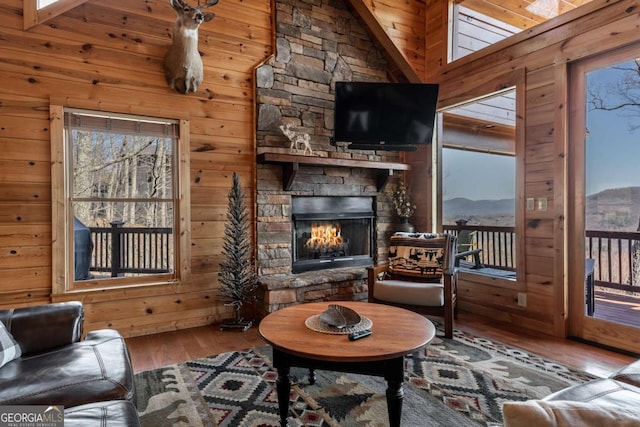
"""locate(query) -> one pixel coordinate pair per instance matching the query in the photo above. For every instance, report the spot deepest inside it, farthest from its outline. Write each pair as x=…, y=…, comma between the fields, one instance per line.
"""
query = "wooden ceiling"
x=522, y=14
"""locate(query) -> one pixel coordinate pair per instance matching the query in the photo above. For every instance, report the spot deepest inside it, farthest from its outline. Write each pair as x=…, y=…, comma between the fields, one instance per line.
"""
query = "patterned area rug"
x=460, y=381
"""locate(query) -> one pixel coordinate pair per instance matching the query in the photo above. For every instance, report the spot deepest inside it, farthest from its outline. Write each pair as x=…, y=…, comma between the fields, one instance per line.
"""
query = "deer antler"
x=207, y=4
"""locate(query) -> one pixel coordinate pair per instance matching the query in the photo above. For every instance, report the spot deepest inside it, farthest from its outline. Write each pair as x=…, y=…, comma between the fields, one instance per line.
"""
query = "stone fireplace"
x=318, y=42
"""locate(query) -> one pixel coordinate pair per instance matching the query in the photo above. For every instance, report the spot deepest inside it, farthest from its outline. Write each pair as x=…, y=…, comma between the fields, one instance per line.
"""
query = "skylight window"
x=45, y=3
x=545, y=8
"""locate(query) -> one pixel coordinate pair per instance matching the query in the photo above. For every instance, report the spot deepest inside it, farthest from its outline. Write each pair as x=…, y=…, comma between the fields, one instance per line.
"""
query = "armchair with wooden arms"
x=419, y=275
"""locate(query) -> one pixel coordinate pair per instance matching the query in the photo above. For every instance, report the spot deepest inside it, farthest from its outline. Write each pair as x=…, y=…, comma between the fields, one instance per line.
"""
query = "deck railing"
x=498, y=244
x=118, y=250
x=616, y=256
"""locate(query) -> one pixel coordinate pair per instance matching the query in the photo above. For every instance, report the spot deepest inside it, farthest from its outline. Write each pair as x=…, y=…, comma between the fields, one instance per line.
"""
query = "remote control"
x=360, y=334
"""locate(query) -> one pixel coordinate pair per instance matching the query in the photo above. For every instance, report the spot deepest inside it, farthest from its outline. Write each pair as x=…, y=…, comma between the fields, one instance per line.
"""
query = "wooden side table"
x=396, y=333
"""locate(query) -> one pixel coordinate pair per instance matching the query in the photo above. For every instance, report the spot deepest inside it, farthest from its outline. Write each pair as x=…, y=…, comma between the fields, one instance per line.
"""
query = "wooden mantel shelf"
x=291, y=162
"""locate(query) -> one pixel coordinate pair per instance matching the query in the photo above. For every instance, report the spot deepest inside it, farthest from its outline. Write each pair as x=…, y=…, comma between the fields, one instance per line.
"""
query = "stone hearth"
x=343, y=284
x=318, y=42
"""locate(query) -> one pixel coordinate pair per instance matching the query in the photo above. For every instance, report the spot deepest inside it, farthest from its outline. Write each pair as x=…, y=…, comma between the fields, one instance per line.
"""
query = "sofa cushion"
x=115, y=413
x=42, y=328
x=602, y=391
x=9, y=348
x=562, y=413
x=417, y=256
x=97, y=368
x=408, y=292
x=629, y=374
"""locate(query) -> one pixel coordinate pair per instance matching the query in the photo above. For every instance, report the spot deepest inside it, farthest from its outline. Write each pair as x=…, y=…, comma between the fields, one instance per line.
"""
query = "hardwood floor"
x=588, y=358
x=154, y=351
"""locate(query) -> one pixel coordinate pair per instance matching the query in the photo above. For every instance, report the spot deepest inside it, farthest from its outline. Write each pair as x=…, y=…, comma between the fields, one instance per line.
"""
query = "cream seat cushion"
x=406, y=292
x=565, y=413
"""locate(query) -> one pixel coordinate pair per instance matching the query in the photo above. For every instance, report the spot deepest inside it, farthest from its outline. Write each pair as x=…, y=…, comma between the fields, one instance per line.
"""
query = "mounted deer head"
x=182, y=63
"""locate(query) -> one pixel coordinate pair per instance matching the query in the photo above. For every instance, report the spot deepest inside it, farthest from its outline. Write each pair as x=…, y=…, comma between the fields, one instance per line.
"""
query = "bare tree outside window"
x=618, y=90
x=122, y=191
x=132, y=173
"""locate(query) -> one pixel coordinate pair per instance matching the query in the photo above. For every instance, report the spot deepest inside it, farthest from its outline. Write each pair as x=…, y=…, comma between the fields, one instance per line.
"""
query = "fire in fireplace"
x=332, y=232
x=326, y=240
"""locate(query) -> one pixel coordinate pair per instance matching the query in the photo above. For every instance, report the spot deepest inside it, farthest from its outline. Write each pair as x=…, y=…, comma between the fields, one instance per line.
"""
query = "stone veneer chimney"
x=318, y=42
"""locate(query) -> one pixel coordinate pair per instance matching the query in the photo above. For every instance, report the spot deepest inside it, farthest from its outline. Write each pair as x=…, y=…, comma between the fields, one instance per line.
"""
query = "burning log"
x=326, y=239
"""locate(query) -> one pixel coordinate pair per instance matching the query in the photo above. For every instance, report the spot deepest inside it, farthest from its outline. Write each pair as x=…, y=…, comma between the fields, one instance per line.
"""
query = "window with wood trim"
x=478, y=183
x=117, y=210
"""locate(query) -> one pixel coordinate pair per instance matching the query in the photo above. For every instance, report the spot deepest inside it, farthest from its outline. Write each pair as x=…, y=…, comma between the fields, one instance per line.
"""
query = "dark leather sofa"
x=91, y=377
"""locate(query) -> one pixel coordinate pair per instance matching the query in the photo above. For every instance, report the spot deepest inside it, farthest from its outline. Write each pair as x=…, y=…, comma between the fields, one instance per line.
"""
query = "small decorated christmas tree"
x=237, y=270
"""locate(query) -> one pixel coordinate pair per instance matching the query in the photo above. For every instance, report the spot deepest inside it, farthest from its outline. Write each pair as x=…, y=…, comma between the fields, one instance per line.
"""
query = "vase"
x=405, y=225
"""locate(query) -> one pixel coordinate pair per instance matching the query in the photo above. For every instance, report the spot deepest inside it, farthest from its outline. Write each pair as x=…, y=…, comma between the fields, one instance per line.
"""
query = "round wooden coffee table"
x=396, y=333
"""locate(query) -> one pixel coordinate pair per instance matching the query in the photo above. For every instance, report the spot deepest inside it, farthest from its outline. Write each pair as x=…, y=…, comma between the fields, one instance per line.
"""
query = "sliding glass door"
x=605, y=186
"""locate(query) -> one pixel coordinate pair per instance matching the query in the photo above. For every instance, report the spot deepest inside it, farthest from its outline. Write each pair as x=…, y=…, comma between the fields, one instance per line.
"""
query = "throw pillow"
x=417, y=256
x=564, y=413
x=9, y=348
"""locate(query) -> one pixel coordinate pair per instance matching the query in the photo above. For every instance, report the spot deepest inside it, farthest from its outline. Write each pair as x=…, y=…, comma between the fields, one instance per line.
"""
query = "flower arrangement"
x=402, y=202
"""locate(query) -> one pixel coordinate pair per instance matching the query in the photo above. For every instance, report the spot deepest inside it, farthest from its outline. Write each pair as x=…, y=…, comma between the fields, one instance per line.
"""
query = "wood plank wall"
x=476, y=31
x=109, y=53
x=404, y=23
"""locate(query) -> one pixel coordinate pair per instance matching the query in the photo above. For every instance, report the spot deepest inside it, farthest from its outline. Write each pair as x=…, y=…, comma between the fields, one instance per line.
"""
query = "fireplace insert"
x=331, y=232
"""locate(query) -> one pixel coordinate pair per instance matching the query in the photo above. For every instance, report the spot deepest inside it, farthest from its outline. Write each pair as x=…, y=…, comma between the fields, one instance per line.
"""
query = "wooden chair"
x=419, y=275
x=462, y=259
x=467, y=250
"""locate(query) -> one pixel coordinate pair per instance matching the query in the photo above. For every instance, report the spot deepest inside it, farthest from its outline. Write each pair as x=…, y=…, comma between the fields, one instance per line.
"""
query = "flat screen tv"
x=384, y=116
